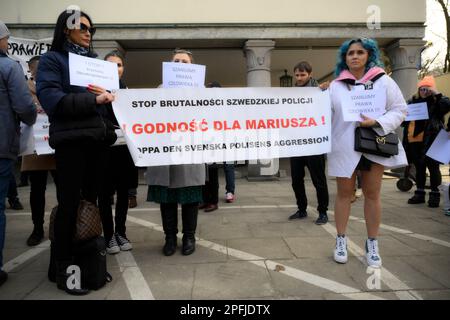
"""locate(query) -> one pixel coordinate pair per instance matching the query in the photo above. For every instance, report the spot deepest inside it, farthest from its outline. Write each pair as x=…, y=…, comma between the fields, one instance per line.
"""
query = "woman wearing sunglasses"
x=419, y=135
x=79, y=133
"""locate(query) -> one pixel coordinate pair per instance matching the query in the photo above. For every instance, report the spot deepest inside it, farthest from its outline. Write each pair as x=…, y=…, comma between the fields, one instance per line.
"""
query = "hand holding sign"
x=104, y=98
x=367, y=122
x=417, y=111
x=97, y=90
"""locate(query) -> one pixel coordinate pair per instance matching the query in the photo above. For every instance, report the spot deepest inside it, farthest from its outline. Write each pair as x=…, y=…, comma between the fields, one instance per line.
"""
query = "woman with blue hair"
x=359, y=68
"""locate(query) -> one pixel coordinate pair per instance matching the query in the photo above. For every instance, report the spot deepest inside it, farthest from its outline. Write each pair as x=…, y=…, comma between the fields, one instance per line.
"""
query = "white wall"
x=227, y=66
x=214, y=11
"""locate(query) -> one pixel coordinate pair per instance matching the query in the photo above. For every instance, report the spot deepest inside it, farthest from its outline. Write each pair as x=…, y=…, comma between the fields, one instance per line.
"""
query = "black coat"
x=74, y=115
x=438, y=106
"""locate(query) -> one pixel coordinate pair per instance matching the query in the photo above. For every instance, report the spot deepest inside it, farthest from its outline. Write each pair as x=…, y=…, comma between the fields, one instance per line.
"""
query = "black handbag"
x=90, y=256
x=368, y=141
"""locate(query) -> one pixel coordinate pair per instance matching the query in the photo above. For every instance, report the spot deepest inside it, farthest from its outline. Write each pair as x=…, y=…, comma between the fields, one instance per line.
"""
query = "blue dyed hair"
x=370, y=45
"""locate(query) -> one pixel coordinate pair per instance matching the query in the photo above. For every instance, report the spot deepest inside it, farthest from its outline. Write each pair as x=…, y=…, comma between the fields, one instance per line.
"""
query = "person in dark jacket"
x=37, y=168
x=418, y=137
x=16, y=105
x=314, y=163
x=122, y=175
x=79, y=133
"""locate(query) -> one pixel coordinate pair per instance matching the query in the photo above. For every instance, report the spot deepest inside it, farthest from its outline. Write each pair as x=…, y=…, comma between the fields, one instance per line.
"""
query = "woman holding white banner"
x=177, y=184
x=79, y=133
x=419, y=135
x=359, y=68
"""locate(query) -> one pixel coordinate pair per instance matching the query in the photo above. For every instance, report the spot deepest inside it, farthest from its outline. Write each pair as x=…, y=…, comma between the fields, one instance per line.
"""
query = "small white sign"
x=120, y=138
x=371, y=103
x=417, y=111
x=183, y=75
x=440, y=149
x=85, y=71
x=41, y=135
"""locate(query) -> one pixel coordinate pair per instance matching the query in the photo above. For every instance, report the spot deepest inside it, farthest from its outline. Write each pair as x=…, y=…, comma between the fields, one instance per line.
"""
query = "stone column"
x=405, y=58
x=258, y=54
x=405, y=55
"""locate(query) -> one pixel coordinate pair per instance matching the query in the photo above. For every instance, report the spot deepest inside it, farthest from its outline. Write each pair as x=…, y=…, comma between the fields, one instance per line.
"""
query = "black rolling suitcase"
x=90, y=256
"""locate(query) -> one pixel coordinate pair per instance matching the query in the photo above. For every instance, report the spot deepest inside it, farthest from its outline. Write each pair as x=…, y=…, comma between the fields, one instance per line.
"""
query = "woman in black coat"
x=419, y=136
x=79, y=133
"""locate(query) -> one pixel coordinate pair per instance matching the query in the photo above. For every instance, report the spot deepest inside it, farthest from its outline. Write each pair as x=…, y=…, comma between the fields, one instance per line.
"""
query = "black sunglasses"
x=84, y=28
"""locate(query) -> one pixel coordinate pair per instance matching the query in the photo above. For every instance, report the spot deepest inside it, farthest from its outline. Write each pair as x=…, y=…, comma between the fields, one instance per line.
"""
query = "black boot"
x=434, y=199
x=62, y=276
x=419, y=197
x=36, y=236
x=188, y=244
x=189, y=214
x=169, y=217
x=171, y=245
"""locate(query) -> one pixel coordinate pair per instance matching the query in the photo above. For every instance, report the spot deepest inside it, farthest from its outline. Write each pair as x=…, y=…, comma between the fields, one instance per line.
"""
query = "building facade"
x=242, y=43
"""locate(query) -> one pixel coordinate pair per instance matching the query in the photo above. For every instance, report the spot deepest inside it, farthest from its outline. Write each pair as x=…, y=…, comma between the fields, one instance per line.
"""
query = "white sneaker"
x=229, y=197
x=123, y=243
x=358, y=193
x=340, y=253
x=372, y=255
x=112, y=247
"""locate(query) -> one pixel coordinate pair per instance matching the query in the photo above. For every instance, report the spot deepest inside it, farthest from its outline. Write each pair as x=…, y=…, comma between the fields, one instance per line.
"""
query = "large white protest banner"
x=34, y=139
x=84, y=71
x=22, y=50
x=370, y=103
x=181, y=126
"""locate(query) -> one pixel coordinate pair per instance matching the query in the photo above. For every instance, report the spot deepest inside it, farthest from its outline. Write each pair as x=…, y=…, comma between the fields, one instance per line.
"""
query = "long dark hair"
x=59, y=35
x=115, y=53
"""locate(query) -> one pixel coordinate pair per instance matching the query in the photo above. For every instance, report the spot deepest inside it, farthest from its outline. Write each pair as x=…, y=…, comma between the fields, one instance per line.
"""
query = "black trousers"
x=121, y=175
x=38, y=185
x=316, y=167
x=211, y=187
x=169, y=217
x=80, y=168
x=421, y=175
x=422, y=162
x=12, y=189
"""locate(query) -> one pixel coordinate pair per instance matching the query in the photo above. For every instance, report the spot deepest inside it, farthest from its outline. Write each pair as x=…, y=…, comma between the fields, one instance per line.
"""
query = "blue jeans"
x=5, y=176
x=229, y=177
